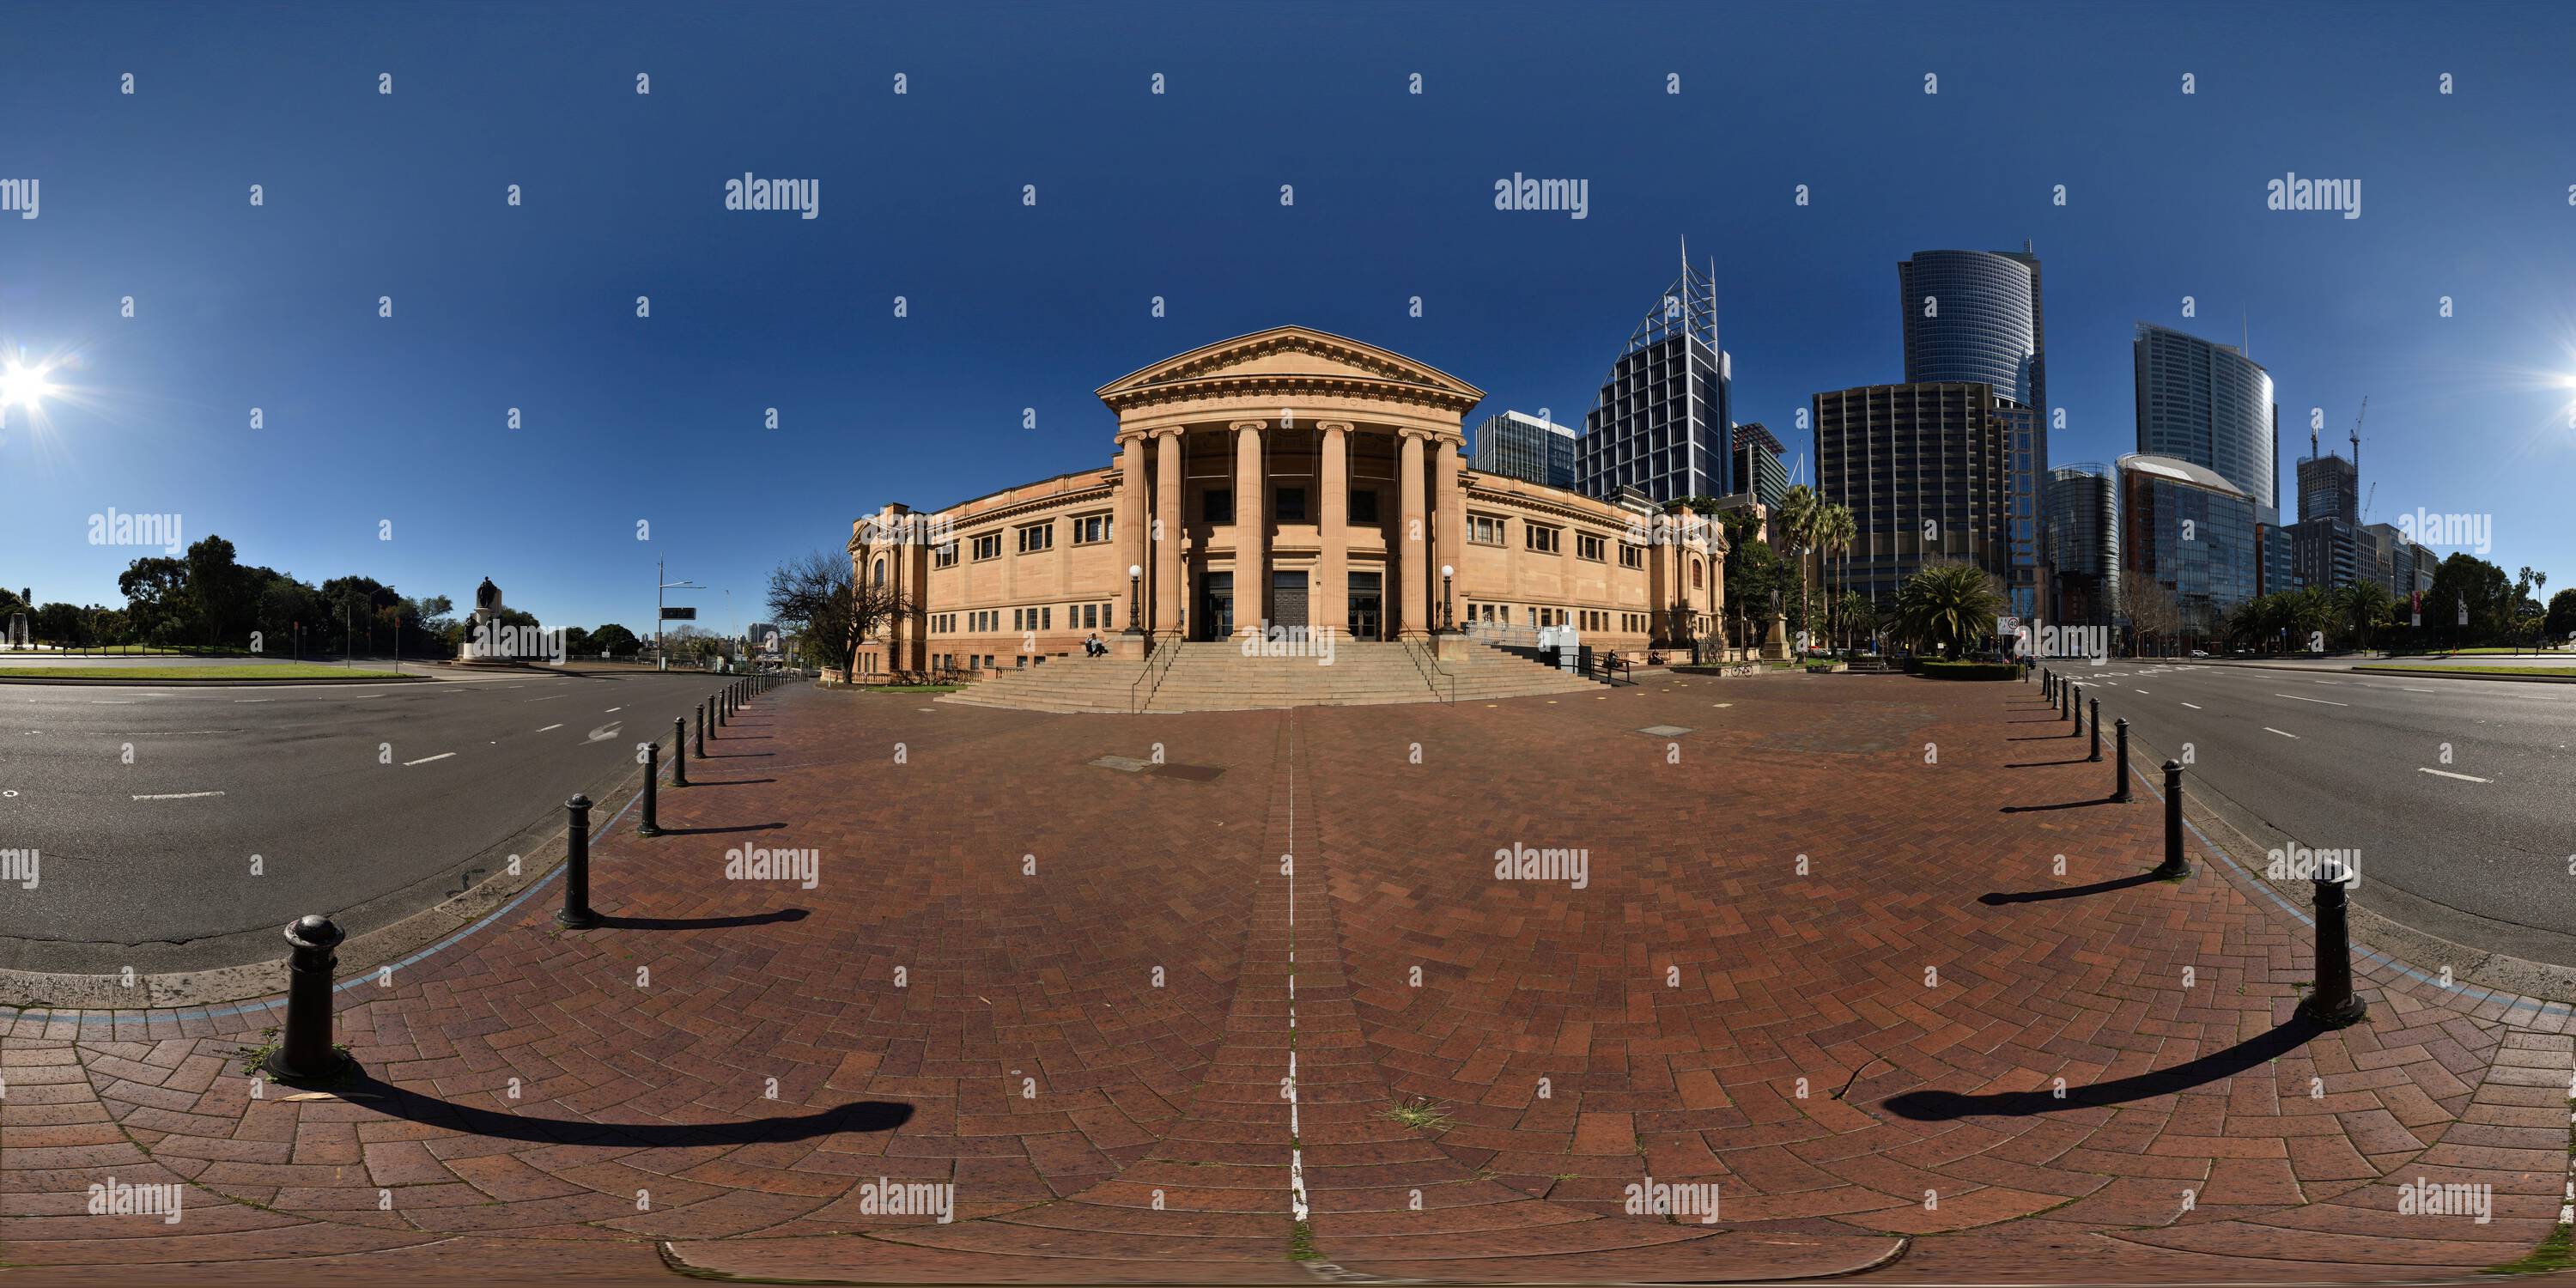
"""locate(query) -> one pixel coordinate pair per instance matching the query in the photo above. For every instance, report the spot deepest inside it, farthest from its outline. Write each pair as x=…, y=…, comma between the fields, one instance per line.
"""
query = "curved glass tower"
x=1973, y=316
x=2210, y=405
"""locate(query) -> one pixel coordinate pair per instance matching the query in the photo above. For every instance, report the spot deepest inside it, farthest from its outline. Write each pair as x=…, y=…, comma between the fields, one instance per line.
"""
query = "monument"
x=483, y=631
x=1775, y=646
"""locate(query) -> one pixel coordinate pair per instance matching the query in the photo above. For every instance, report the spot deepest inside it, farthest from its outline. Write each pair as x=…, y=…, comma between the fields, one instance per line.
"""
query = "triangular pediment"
x=1290, y=353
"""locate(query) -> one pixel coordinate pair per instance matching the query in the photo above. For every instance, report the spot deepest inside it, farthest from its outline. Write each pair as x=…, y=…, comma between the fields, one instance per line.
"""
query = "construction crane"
x=2374, y=493
x=2356, y=433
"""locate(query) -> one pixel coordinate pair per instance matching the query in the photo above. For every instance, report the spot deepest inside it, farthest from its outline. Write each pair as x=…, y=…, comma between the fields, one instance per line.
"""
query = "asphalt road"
x=2473, y=844
x=363, y=802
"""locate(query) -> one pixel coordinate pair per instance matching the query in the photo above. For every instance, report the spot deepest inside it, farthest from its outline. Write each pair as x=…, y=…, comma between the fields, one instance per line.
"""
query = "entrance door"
x=1288, y=598
x=1367, y=605
x=1216, y=605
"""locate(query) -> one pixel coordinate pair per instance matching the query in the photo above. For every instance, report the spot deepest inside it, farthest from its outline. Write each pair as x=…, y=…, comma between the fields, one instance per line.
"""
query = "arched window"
x=1695, y=574
x=880, y=572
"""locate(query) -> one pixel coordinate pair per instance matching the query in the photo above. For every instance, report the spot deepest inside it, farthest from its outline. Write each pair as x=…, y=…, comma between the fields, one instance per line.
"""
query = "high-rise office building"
x=1926, y=471
x=1660, y=423
x=2329, y=488
x=1974, y=316
x=1758, y=467
x=2189, y=529
x=1528, y=448
x=2210, y=405
x=2083, y=507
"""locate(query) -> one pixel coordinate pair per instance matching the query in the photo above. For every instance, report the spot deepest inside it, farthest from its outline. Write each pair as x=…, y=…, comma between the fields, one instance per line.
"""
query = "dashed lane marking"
x=2444, y=773
x=2320, y=701
x=426, y=759
x=2193, y=705
x=176, y=796
x=550, y=728
x=2283, y=732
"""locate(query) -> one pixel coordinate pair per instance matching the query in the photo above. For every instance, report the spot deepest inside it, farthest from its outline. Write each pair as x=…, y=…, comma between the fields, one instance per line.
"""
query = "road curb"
x=122, y=681
x=2462, y=673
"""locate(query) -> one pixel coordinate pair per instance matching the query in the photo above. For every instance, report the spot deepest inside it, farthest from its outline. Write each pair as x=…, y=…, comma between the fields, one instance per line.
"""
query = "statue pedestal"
x=483, y=624
x=1775, y=646
x=1128, y=645
x=1451, y=646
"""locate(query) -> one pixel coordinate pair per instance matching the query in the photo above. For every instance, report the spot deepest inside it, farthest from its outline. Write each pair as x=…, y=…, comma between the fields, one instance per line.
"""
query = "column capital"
x=1159, y=432
x=1332, y=426
x=1248, y=426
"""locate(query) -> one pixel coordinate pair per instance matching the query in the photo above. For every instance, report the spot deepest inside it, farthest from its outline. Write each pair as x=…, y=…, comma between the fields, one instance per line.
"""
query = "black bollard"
x=576, y=914
x=680, y=751
x=2048, y=685
x=652, y=825
x=701, y=714
x=2120, y=789
x=2075, y=710
x=2096, y=757
x=2333, y=1003
x=307, y=1054
x=718, y=703
x=2173, y=868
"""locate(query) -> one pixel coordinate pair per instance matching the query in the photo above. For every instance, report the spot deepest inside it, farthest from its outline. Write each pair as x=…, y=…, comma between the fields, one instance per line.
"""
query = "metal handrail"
x=1161, y=650
x=1432, y=672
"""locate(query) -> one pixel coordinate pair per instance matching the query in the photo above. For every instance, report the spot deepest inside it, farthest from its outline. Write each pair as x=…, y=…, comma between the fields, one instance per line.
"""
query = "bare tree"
x=2149, y=608
x=820, y=598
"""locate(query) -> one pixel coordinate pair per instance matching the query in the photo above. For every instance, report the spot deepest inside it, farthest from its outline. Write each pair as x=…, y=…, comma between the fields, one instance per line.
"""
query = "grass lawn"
x=256, y=671
x=2568, y=671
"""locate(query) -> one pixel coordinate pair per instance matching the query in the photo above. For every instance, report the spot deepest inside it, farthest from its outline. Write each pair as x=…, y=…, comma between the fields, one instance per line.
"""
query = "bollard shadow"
x=2043, y=764
x=2000, y=898
x=703, y=923
x=1945, y=1106
x=871, y=1116
x=714, y=831
x=2042, y=809
x=729, y=782
x=2038, y=737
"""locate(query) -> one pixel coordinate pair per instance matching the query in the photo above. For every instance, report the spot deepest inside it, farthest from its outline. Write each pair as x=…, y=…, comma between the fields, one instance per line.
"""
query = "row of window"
x=1088, y=617
x=1088, y=529
x=1590, y=619
x=1488, y=530
x=1216, y=505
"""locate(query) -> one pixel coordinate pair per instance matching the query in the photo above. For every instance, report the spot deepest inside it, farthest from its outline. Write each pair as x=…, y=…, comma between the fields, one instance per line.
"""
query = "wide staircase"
x=1218, y=677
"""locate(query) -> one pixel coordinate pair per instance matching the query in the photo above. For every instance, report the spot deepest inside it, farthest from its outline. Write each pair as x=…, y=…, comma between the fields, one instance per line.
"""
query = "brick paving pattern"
x=1831, y=972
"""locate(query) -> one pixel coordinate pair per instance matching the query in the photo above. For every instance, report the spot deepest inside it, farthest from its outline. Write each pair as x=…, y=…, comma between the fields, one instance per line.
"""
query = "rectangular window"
x=1544, y=540
x=1292, y=504
x=1091, y=529
x=1216, y=505
x=1587, y=546
x=1036, y=537
x=1485, y=529
x=1015, y=619
x=944, y=556
x=989, y=546
x=1090, y=616
x=1631, y=556
x=1364, y=507
x=1046, y=618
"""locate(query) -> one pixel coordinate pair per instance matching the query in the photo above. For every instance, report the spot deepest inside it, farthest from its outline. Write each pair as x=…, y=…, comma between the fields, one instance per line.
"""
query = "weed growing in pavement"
x=1301, y=1242
x=2557, y=1252
x=1419, y=1114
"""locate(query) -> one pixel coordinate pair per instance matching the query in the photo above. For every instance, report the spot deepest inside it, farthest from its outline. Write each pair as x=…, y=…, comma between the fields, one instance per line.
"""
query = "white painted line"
x=109, y=702
x=177, y=796
x=2412, y=689
x=254, y=699
x=2283, y=732
x=2444, y=773
x=550, y=728
x=2142, y=693
x=612, y=711
x=548, y=698
x=2193, y=705
x=2296, y=698
x=426, y=759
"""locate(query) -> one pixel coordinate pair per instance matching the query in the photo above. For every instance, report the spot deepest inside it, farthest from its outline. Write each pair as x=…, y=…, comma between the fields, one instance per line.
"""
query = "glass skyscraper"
x=1927, y=471
x=2083, y=505
x=1973, y=316
x=1526, y=448
x=1660, y=423
x=2185, y=527
x=2210, y=405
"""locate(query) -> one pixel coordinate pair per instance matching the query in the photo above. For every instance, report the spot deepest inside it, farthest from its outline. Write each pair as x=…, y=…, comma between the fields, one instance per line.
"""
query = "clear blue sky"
x=1177, y=196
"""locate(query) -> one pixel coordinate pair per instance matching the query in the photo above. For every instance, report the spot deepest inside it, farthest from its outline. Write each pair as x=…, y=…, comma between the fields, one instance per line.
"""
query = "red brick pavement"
x=1074, y=994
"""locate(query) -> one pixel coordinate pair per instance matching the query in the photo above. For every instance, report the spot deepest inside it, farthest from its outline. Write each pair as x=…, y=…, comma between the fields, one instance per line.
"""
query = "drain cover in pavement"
x=1664, y=731
x=1193, y=773
x=1125, y=764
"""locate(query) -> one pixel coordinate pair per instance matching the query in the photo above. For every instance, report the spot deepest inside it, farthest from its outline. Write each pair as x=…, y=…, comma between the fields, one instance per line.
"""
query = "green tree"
x=616, y=640
x=2363, y=605
x=1947, y=606
x=2560, y=624
x=2465, y=578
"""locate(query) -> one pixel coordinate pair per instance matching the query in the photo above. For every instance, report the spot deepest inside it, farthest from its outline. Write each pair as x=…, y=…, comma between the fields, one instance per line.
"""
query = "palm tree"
x=2363, y=603
x=1945, y=605
x=1834, y=533
x=1857, y=615
x=1799, y=511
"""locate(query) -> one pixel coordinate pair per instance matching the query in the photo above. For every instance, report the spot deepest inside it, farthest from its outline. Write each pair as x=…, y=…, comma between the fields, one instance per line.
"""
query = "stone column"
x=1452, y=498
x=1166, y=564
x=1413, y=540
x=1328, y=600
x=1130, y=520
x=1251, y=534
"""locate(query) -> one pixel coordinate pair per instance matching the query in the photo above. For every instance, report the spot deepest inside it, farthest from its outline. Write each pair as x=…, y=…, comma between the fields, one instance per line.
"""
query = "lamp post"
x=1447, y=613
x=1135, y=576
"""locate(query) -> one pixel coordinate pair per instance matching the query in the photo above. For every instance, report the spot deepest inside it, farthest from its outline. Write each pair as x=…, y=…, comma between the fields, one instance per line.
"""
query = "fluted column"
x=1131, y=526
x=1329, y=602
x=1251, y=535
x=1413, y=539
x=1167, y=530
x=1452, y=498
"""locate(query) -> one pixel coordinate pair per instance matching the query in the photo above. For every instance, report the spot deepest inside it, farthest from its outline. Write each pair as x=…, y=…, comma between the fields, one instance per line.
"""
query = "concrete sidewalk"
x=1239, y=997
